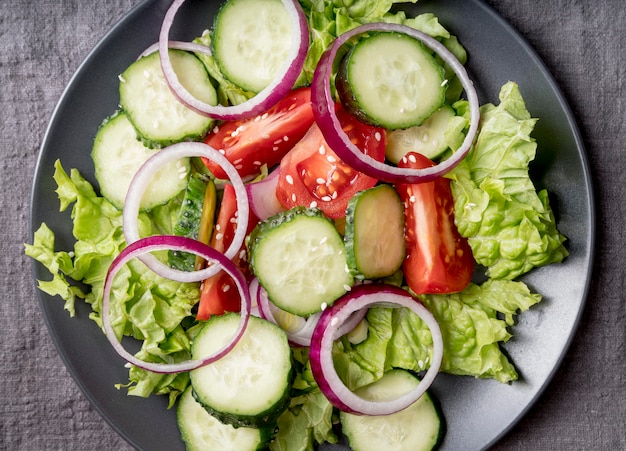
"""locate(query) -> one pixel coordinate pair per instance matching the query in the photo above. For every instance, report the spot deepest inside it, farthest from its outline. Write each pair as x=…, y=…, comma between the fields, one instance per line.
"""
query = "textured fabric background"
x=584, y=46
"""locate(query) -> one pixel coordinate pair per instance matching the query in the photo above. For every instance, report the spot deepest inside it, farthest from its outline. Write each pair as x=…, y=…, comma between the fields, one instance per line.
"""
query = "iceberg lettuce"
x=145, y=306
x=510, y=226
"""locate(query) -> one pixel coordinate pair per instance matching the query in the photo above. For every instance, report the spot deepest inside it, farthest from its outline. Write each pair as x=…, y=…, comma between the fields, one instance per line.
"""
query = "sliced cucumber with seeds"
x=374, y=236
x=202, y=431
x=252, y=39
x=251, y=384
x=158, y=116
x=429, y=139
x=299, y=258
x=419, y=427
x=188, y=222
x=391, y=80
x=117, y=155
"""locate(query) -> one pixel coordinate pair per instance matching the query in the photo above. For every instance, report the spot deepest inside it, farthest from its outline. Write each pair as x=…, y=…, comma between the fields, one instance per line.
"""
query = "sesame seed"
x=293, y=197
x=347, y=287
x=334, y=321
x=331, y=158
x=182, y=175
x=219, y=236
x=285, y=138
x=323, y=240
x=289, y=179
x=326, y=198
x=226, y=288
x=257, y=163
x=278, y=141
x=322, y=150
x=321, y=181
x=122, y=79
x=445, y=82
x=264, y=116
x=412, y=199
x=412, y=158
x=313, y=204
x=378, y=136
x=324, y=306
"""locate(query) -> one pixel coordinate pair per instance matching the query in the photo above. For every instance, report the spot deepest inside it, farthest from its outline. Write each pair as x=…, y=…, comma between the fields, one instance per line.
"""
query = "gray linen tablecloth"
x=583, y=44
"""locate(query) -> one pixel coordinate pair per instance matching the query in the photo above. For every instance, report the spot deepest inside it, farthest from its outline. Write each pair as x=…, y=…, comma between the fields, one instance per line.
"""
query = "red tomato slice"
x=439, y=259
x=263, y=139
x=219, y=294
x=311, y=174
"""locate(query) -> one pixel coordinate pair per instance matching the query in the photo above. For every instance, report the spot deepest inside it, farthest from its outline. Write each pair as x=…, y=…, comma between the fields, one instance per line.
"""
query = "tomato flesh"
x=311, y=174
x=219, y=293
x=439, y=259
x=264, y=139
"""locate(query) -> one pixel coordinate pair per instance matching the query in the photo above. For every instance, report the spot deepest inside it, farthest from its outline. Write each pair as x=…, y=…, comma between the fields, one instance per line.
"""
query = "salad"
x=496, y=210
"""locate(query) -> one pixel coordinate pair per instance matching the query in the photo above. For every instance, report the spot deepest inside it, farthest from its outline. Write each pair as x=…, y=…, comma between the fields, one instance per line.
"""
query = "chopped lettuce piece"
x=472, y=331
x=144, y=305
x=510, y=227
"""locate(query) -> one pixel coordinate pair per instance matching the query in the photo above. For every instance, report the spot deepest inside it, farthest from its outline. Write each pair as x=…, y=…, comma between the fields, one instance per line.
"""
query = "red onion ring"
x=362, y=297
x=140, y=182
x=270, y=95
x=326, y=118
x=179, y=45
x=164, y=242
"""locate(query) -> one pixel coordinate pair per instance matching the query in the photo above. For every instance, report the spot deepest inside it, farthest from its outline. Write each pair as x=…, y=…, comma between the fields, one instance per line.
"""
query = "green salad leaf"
x=510, y=226
x=473, y=325
x=144, y=305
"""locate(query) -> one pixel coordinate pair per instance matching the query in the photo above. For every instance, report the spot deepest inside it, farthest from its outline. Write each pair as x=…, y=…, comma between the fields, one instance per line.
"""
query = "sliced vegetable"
x=142, y=179
x=391, y=80
x=263, y=139
x=262, y=196
x=117, y=155
x=428, y=138
x=374, y=233
x=188, y=222
x=282, y=83
x=159, y=117
x=251, y=385
x=419, y=427
x=331, y=127
x=251, y=41
x=312, y=175
x=166, y=243
x=202, y=431
x=439, y=259
x=299, y=258
x=217, y=294
x=321, y=352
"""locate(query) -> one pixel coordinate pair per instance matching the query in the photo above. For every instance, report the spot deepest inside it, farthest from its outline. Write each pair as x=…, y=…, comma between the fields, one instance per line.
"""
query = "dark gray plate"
x=478, y=412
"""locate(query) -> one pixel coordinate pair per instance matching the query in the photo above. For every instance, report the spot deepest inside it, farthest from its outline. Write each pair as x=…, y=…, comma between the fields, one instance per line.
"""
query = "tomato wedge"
x=264, y=139
x=311, y=174
x=439, y=259
x=218, y=293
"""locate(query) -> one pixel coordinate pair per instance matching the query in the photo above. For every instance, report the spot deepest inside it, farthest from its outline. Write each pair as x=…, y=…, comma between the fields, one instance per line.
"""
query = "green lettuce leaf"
x=144, y=305
x=473, y=324
x=510, y=226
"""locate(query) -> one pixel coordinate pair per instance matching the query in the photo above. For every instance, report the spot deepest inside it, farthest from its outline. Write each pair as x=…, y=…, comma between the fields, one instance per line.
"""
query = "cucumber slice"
x=419, y=427
x=202, y=431
x=429, y=139
x=158, y=116
x=374, y=235
x=188, y=222
x=249, y=386
x=252, y=41
x=117, y=155
x=299, y=258
x=391, y=80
